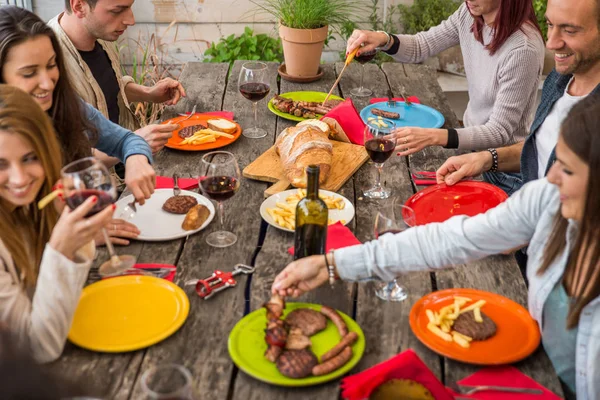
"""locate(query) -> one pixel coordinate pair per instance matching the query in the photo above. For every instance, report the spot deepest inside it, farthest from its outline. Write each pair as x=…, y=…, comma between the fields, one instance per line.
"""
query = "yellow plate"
x=128, y=313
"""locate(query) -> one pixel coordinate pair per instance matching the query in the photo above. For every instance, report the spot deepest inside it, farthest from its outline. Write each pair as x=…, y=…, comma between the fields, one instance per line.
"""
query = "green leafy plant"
x=310, y=14
x=540, y=11
x=246, y=46
x=424, y=14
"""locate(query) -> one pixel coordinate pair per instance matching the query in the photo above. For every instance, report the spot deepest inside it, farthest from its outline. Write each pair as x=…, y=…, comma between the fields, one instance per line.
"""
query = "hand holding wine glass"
x=87, y=178
x=380, y=145
x=219, y=181
x=253, y=84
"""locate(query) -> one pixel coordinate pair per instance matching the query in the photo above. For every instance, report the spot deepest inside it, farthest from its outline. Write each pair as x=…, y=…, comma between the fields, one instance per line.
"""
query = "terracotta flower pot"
x=302, y=49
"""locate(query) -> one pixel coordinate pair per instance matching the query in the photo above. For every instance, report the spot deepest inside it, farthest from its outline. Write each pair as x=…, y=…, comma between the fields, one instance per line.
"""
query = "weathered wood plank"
x=201, y=344
x=272, y=258
x=386, y=336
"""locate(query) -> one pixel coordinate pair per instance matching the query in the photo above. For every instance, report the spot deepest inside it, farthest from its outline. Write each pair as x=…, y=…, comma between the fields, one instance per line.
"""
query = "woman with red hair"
x=503, y=52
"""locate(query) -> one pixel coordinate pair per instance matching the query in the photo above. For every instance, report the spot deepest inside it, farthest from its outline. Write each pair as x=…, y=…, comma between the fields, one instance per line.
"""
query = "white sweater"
x=42, y=319
x=502, y=87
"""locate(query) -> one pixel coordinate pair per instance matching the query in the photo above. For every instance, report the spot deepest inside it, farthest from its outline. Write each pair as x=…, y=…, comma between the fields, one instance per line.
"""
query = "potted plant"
x=304, y=27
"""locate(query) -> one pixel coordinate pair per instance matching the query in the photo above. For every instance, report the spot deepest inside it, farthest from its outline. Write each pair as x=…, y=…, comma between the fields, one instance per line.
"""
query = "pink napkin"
x=505, y=376
x=350, y=121
x=338, y=236
x=406, y=365
x=413, y=99
x=164, y=182
x=222, y=114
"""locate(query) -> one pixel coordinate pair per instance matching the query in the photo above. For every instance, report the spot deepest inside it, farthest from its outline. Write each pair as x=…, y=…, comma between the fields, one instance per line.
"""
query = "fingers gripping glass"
x=394, y=218
x=89, y=177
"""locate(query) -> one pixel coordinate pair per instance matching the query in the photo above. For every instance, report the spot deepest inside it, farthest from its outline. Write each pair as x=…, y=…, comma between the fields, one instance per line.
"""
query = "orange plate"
x=517, y=334
x=173, y=143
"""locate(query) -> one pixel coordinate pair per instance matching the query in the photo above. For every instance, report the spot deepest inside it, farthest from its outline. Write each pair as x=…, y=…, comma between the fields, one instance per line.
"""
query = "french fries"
x=284, y=214
x=440, y=323
x=205, y=136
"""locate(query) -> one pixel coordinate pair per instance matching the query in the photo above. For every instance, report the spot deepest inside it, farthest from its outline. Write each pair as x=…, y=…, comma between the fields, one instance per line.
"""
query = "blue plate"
x=416, y=115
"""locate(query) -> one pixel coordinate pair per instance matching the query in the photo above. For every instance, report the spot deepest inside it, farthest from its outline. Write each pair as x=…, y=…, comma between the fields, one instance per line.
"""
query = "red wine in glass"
x=380, y=149
x=254, y=91
x=219, y=188
x=365, y=57
x=78, y=197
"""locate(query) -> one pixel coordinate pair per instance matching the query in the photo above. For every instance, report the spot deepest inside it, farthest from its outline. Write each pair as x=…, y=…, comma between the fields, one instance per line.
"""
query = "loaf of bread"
x=301, y=146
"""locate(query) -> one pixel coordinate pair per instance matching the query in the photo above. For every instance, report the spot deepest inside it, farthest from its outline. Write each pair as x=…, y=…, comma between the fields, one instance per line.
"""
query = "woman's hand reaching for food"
x=118, y=231
x=140, y=177
x=301, y=276
x=411, y=140
x=73, y=230
x=369, y=40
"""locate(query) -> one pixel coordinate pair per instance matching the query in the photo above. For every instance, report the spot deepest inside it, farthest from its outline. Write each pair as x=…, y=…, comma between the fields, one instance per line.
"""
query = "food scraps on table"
x=284, y=214
x=461, y=325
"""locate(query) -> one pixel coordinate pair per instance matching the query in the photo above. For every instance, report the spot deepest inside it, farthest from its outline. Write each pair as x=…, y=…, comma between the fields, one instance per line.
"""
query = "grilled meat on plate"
x=296, y=363
x=466, y=324
x=307, y=320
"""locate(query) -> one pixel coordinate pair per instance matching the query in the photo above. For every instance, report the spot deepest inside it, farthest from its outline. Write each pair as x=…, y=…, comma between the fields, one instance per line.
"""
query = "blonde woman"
x=45, y=255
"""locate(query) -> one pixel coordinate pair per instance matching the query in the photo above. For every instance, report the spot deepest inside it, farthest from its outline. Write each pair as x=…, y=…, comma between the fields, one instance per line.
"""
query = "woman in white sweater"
x=558, y=218
x=503, y=53
x=45, y=255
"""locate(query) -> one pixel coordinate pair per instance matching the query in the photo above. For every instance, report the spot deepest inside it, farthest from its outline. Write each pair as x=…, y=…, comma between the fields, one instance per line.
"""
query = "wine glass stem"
x=255, y=106
x=114, y=258
x=378, y=167
x=362, y=77
x=221, y=214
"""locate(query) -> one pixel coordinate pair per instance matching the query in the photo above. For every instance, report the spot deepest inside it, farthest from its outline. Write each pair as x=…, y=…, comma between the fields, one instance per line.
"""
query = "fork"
x=176, y=189
x=129, y=210
x=191, y=114
x=391, y=102
x=468, y=390
x=403, y=93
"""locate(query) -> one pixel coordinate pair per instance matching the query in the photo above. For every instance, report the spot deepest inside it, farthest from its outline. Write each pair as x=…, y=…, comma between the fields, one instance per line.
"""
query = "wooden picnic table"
x=201, y=343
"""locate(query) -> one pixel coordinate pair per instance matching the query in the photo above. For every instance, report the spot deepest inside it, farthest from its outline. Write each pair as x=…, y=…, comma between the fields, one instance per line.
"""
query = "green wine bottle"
x=311, y=219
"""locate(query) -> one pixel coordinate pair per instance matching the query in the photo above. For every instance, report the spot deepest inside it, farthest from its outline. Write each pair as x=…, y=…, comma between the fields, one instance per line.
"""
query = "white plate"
x=335, y=215
x=156, y=224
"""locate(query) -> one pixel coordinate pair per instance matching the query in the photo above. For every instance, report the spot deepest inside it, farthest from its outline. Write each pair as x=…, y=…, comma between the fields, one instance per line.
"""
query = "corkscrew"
x=218, y=281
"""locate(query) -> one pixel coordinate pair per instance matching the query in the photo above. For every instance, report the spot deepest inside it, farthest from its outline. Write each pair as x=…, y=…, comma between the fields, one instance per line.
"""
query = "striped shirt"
x=502, y=87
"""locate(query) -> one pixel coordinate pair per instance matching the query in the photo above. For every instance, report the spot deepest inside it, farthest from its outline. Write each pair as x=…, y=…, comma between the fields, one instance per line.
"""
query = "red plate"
x=517, y=334
x=196, y=119
x=441, y=202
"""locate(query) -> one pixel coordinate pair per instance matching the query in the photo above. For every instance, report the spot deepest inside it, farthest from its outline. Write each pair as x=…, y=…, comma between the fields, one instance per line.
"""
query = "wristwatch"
x=387, y=44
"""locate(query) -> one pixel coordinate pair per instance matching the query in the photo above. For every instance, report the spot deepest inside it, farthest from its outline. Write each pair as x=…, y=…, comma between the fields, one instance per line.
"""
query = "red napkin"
x=338, y=236
x=169, y=277
x=350, y=121
x=164, y=182
x=406, y=365
x=413, y=99
x=222, y=114
x=505, y=376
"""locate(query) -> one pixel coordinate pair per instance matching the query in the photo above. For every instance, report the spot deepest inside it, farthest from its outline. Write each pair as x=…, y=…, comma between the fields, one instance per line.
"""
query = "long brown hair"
x=511, y=17
x=582, y=274
x=20, y=114
x=75, y=133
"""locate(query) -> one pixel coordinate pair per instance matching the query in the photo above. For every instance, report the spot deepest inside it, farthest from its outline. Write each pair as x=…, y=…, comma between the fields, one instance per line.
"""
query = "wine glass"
x=393, y=219
x=254, y=85
x=364, y=58
x=88, y=177
x=219, y=180
x=168, y=382
x=380, y=145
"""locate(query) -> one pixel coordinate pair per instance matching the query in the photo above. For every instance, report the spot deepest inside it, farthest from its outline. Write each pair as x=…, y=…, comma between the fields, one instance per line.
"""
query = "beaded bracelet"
x=330, y=269
x=494, y=153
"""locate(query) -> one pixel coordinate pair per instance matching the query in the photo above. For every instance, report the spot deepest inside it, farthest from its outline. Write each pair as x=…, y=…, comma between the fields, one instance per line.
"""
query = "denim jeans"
x=510, y=182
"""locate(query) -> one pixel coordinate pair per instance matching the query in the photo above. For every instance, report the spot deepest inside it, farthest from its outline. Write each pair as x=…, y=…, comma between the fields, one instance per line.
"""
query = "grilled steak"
x=466, y=324
x=307, y=320
x=385, y=114
x=179, y=204
x=188, y=131
x=296, y=363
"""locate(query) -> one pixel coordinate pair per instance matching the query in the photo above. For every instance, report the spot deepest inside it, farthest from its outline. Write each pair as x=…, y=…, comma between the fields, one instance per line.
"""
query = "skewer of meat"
x=276, y=333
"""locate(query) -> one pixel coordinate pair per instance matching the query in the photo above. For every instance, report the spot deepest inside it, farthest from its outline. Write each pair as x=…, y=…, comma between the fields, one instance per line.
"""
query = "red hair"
x=510, y=18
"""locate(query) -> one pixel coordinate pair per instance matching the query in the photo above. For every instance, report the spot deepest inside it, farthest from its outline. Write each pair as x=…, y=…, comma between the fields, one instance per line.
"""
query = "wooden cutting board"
x=347, y=159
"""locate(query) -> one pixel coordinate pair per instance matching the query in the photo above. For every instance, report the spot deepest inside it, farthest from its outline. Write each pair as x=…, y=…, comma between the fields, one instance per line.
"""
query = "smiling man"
x=87, y=31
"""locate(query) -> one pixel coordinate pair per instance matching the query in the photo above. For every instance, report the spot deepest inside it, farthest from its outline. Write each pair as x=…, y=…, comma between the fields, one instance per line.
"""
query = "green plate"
x=247, y=347
x=300, y=96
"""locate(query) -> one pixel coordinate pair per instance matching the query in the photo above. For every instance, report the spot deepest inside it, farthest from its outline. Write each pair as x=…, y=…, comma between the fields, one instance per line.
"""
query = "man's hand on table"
x=118, y=231
x=140, y=177
x=464, y=166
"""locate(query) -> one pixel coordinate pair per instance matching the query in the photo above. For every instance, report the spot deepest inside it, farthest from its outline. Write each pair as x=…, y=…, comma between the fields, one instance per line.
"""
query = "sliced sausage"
x=333, y=364
x=336, y=319
x=347, y=340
